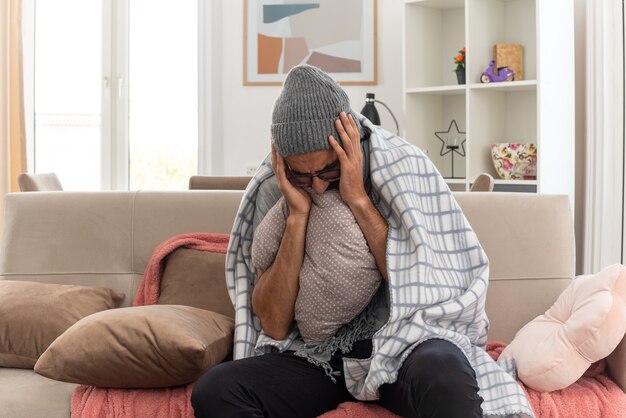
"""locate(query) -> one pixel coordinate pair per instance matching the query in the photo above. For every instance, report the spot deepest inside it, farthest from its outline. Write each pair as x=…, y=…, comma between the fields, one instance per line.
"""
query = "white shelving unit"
x=538, y=109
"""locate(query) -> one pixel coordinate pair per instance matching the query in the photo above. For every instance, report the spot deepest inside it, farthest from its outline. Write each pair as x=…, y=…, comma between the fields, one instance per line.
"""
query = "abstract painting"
x=337, y=36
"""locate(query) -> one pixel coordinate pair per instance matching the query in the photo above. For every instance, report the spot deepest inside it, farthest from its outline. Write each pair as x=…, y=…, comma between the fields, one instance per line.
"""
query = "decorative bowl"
x=515, y=161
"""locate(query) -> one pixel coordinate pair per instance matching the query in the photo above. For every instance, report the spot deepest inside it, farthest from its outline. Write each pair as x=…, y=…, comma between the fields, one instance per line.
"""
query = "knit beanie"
x=305, y=112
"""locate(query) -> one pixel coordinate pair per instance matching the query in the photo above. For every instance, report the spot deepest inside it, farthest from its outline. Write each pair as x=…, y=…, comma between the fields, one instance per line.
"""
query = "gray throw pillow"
x=339, y=275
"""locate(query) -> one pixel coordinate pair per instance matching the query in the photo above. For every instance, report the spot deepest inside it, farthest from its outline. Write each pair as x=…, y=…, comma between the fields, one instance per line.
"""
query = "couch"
x=106, y=239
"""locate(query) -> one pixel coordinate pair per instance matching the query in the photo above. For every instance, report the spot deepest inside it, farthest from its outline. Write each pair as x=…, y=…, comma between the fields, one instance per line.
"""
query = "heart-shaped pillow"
x=584, y=325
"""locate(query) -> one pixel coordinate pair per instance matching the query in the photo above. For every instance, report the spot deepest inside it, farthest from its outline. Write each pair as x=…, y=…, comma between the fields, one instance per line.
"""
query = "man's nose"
x=319, y=185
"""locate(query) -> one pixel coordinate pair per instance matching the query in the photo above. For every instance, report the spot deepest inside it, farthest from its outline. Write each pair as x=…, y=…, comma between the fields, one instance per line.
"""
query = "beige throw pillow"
x=196, y=278
x=139, y=347
x=33, y=314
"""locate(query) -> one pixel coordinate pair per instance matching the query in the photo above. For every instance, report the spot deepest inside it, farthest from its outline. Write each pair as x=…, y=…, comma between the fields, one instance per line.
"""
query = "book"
x=512, y=56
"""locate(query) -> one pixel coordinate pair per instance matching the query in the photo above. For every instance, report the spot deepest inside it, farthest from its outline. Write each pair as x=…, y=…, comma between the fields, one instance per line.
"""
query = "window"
x=163, y=69
x=115, y=92
x=67, y=91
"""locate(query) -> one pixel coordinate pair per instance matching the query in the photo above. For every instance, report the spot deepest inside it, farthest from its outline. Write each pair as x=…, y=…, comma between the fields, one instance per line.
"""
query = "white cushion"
x=584, y=325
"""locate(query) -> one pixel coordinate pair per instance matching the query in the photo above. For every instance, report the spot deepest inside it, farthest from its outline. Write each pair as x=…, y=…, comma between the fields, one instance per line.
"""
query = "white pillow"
x=584, y=325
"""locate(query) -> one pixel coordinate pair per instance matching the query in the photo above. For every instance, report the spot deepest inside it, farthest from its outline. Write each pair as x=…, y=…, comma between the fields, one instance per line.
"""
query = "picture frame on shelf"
x=279, y=35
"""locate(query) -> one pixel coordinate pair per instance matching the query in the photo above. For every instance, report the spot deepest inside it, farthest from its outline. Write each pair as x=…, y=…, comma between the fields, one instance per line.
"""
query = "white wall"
x=241, y=114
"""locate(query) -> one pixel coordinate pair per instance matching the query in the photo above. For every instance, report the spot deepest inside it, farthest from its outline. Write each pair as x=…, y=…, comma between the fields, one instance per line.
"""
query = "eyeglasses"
x=331, y=174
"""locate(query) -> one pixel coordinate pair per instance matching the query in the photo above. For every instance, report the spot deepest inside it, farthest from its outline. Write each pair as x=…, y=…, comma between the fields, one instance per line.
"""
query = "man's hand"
x=353, y=193
x=275, y=292
x=351, y=185
x=298, y=200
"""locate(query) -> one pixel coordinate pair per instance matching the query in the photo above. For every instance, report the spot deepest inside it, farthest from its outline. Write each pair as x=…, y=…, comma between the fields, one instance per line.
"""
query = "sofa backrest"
x=529, y=239
x=106, y=239
x=102, y=238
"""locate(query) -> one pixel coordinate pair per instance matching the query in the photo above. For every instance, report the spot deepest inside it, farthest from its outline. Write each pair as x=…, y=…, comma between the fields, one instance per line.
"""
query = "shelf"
x=437, y=4
x=438, y=27
x=441, y=90
x=455, y=181
x=496, y=181
x=433, y=113
x=499, y=116
x=500, y=21
x=524, y=85
x=531, y=109
x=516, y=182
x=506, y=86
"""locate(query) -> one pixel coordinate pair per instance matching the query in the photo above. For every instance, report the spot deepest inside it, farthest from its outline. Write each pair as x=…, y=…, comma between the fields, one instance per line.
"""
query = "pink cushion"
x=584, y=325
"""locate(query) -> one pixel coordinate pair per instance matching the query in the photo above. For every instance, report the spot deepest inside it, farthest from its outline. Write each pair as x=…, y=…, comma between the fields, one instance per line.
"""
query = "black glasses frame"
x=330, y=174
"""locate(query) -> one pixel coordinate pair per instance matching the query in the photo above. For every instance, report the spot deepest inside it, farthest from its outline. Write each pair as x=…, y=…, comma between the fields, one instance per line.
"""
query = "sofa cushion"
x=584, y=325
x=26, y=394
x=139, y=347
x=33, y=314
x=196, y=278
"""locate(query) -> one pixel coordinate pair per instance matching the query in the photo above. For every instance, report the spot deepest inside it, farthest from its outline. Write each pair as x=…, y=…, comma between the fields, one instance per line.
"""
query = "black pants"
x=436, y=380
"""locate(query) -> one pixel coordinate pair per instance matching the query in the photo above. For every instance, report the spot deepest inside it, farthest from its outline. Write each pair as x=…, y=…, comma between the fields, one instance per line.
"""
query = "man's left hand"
x=351, y=185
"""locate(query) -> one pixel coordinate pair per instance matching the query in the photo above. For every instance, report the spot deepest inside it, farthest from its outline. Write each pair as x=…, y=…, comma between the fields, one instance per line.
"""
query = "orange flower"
x=459, y=60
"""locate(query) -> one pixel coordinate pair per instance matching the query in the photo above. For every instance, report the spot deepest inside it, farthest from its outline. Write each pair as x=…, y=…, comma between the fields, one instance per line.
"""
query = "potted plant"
x=459, y=60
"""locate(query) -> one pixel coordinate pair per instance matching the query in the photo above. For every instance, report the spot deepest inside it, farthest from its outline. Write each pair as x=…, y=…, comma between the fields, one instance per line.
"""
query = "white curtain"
x=12, y=125
x=604, y=135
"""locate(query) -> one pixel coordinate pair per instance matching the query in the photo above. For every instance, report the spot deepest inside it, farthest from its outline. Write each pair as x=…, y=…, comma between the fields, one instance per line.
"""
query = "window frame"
x=114, y=130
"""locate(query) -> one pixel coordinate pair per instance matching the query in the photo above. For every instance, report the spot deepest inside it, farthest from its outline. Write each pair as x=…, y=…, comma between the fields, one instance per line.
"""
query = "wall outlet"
x=251, y=169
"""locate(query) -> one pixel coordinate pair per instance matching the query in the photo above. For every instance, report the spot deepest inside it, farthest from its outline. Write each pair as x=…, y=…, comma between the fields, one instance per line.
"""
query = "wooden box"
x=510, y=55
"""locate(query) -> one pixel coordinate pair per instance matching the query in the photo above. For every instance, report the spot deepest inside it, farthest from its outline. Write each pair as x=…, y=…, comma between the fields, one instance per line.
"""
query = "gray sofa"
x=106, y=239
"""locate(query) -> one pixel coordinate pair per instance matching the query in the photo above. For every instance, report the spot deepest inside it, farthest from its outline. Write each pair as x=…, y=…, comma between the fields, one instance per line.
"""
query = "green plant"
x=459, y=60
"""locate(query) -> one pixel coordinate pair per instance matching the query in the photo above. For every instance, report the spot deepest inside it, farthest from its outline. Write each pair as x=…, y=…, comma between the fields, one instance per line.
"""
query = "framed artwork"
x=337, y=36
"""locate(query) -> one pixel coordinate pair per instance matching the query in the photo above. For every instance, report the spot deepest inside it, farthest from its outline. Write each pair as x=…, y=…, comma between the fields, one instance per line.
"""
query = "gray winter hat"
x=305, y=112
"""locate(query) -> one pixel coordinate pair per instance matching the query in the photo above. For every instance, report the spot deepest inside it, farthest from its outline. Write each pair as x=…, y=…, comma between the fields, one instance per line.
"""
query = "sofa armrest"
x=616, y=363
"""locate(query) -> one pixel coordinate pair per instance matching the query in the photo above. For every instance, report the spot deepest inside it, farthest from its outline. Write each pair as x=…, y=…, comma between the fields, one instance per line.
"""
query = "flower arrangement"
x=459, y=60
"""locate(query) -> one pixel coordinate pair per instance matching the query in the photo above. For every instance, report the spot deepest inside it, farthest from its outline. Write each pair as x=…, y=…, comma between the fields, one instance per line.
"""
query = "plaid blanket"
x=438, y=277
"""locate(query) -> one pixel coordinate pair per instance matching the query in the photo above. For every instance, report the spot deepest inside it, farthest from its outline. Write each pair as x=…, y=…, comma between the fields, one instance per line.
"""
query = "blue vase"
x=460, y=77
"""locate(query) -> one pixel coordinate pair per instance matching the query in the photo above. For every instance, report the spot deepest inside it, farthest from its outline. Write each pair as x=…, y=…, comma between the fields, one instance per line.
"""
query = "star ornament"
x=452, y=141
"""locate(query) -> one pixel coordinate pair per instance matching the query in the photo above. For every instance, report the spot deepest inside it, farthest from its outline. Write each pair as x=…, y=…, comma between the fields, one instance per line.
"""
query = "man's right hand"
x=298, y=200
x=275, y=292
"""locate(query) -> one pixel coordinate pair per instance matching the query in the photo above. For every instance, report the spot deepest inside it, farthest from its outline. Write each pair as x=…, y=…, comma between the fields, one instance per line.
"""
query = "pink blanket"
x=593, y=396
x=93, y=402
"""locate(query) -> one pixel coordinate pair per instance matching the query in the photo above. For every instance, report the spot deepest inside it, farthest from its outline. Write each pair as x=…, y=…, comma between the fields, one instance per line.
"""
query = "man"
x=416, y=360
